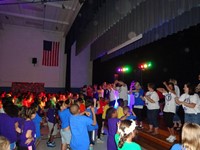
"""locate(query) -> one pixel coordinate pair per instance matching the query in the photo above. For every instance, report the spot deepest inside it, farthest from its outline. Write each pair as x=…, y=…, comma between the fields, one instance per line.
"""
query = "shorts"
x=65, y=136
x=55, y=131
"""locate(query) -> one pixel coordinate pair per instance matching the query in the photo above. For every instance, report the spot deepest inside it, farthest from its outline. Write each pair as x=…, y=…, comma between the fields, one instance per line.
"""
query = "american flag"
x=50, y=53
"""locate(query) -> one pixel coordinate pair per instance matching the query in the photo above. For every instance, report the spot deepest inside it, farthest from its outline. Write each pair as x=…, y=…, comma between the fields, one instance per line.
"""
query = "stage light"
x=149, y=64
x=123, y=69
x=145, y=66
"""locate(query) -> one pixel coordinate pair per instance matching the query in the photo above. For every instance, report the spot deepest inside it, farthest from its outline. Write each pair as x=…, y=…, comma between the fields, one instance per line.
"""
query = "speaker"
x=34, y=61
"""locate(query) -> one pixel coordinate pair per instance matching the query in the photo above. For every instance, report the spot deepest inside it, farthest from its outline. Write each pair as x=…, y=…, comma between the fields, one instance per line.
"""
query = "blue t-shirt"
x=25, y=126
x=131, y=117
x=64, y=117
x=138, y=100
x=80, y=137
x=91, y=127
x=177, y=147
x=37, y=121
x=7, y=127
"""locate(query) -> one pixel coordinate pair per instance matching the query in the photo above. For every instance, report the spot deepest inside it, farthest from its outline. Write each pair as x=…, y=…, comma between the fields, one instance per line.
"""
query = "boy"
x=78, y=124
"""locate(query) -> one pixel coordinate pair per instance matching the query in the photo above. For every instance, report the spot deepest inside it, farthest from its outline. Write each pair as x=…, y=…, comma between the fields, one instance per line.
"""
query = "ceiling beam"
x=33, y=17
x=63, y=6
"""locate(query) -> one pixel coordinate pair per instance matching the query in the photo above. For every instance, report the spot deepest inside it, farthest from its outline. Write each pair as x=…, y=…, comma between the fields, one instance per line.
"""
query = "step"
x=156, y=140
x=148, y=144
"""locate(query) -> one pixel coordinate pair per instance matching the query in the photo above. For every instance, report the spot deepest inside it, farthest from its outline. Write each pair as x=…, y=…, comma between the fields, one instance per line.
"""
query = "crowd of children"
x=82, y=118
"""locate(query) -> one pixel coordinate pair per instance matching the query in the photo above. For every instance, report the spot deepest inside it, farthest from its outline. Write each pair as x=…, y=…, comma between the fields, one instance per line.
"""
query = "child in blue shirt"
x=64, y=114
x=37, y=120
x=128, y=115
x=91, y=128
x=79, y=128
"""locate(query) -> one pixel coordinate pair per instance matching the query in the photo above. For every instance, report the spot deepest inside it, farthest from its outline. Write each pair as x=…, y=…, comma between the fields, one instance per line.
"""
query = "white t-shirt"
x=154, y=96
x=123, y=92
x=191, y=99
x=112, y=95
x=170, y=104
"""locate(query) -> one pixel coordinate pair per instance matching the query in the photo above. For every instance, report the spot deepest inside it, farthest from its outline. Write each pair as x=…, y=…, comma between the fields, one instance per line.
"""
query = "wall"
x=81, y=68
x=18, y=45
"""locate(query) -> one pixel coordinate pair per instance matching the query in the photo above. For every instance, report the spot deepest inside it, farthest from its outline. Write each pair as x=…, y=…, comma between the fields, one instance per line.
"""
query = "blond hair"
x=191, y=136
x=4, y=143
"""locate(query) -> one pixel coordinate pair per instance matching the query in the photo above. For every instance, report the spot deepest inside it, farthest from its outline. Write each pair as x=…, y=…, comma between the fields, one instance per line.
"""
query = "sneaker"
x=91, y=148
x=169, y=138
x=140, y=127
x=100, y=141
x=172, y=139
x=51, y=144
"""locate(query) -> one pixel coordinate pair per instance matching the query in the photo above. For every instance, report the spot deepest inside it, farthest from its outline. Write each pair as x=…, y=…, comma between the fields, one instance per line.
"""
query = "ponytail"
x=123, y=140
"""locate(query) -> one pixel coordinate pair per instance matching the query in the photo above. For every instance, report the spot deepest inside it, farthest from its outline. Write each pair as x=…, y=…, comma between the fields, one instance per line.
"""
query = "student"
x=125, y=134
x=169, y=109
x=27, y=129
x=177, y=119
x=52, y=121
x=64, y=115
x=100, y=109
x=128, y=115
x=111, y=116
x=120, y=108
x=78, y=125
x=8, y=121
x=37, y=120
x=90, y=104
x=4, y=143
x=105, y=108
x=190, y=138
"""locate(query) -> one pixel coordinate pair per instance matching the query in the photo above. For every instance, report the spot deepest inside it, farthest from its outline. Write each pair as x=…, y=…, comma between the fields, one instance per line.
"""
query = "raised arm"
x=93, y=117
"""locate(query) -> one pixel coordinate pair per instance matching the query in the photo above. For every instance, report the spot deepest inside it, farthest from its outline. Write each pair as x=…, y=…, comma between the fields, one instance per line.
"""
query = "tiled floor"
x=43, y=146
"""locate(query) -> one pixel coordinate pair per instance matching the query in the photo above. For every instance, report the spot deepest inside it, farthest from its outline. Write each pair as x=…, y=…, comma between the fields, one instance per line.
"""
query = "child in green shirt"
x=125, y=134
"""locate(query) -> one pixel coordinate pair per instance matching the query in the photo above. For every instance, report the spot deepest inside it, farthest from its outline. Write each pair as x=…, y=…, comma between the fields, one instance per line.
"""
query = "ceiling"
x=53, y=15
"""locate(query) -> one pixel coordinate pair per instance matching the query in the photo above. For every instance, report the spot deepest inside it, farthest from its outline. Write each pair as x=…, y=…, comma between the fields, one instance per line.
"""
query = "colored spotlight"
x=145, y=66
x=149, y=64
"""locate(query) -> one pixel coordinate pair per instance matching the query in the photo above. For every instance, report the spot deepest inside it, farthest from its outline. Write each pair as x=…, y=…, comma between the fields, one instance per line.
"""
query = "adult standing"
x=139, y=103
x=169, y=109
x=190, y=102
x=123, y=91
x=151, y=99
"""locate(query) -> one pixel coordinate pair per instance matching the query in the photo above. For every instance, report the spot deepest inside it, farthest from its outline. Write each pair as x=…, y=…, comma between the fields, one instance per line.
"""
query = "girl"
x=27, y=129
x=190, y=137
x=125, y=134
x=190, y=102
x=169, y=109
x=112, y=119
x=151, y=98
